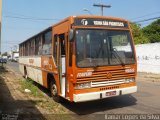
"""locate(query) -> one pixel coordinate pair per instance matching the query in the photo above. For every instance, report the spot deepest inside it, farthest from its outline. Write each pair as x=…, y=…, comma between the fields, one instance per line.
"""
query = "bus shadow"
x=13, y=108
x=90, y=107
x=85, y=108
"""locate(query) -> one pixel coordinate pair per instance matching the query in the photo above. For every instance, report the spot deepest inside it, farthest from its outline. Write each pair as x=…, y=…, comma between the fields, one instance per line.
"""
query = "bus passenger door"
x=62, y=64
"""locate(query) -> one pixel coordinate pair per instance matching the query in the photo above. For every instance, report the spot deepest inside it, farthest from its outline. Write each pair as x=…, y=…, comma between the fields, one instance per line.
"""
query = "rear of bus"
x=104, y=58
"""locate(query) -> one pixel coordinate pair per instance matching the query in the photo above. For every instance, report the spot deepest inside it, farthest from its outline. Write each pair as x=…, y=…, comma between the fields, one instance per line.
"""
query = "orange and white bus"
x=82, y=58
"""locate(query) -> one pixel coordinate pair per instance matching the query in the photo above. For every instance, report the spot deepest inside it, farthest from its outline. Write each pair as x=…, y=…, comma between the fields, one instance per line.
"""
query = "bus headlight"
x=128, y=80
x=83, y=85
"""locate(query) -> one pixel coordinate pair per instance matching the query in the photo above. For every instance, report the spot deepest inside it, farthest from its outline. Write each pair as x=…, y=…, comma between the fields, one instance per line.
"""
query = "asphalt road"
x=145, y=101
x=14, y=66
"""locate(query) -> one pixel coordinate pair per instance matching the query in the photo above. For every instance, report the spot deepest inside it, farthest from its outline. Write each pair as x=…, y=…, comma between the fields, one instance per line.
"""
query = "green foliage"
x=29, y=84
x=148, y=34
x=152, y=31
x=118, y=40
x=4, y=54
x=138, y=35
x=41, y=100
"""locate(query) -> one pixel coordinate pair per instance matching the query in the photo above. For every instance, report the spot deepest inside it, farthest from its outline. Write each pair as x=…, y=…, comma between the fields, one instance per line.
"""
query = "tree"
x=139, y=37
x=5, y=54
x=152, y=31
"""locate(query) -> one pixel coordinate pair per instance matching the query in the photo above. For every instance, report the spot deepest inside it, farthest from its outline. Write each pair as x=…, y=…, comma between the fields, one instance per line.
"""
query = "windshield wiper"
x=118, y=56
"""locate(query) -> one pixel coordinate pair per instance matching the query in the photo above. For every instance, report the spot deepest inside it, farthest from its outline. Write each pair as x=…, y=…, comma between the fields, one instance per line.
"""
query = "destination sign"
x=100, y=22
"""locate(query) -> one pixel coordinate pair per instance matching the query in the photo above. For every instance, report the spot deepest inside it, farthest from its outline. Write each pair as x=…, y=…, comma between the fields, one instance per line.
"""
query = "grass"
x=29, y=84
x=40, y=99
x=3, y=69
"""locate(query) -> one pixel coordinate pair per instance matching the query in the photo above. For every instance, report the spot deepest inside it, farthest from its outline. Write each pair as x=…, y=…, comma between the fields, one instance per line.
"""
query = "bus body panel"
x=33, y=68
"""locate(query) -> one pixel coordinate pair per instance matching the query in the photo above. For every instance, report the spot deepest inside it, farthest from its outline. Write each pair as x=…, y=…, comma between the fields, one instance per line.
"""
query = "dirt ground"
x=13, y=101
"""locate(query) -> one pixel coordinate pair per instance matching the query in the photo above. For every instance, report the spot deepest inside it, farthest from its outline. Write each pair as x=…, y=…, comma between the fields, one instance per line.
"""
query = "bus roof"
x=106, y=17
x=74, y=17
x=36, y=35
x=90, y=16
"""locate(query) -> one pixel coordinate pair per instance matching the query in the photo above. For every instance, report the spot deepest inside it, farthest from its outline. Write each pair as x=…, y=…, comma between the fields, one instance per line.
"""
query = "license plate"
x=112, y=93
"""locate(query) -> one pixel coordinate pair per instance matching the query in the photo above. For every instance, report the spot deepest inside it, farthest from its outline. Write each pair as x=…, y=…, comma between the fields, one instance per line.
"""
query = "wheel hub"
x=54, y=90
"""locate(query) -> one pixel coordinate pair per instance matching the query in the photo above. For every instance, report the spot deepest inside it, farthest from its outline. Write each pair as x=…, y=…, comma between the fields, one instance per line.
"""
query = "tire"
x=26, y=76
x=25, y=73
x=54, y=92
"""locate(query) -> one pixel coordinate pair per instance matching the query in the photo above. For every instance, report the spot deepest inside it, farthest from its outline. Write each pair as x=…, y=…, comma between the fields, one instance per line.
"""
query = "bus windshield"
x=103, y=48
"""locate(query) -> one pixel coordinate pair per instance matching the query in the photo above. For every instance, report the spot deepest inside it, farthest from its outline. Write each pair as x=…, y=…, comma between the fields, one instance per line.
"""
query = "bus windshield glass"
x=103, y=48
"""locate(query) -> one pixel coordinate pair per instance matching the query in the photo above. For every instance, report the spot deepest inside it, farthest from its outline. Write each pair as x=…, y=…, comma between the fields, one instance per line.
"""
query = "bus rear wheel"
x=54, y=91
x=25, y=73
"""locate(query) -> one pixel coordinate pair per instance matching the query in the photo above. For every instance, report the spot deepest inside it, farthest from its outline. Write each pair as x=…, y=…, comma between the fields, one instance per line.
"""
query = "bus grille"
x=100, y=78
x=106, y=83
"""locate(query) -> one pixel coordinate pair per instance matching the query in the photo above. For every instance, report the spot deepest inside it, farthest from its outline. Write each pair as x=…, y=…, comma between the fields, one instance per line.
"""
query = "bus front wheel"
x=54, y=91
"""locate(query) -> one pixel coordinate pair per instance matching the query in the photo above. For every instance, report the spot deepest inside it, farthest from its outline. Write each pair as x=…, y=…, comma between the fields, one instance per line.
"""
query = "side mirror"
x=71, y=35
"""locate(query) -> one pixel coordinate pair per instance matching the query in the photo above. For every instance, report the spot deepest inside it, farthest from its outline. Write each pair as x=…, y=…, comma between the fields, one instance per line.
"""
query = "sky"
x=22, y=19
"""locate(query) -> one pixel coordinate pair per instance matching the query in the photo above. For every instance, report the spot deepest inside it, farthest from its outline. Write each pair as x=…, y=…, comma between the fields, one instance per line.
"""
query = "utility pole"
x=0, y=23
x=102, y=6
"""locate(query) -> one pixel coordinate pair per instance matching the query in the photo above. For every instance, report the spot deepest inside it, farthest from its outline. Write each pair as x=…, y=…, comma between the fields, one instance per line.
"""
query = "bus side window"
x=36, y=46
x=47, y=43
x=32, y=47
x=55, y=49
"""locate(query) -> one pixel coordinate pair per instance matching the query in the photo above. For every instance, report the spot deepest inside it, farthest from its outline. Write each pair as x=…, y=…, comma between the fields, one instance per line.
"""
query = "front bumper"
x=102, y=94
